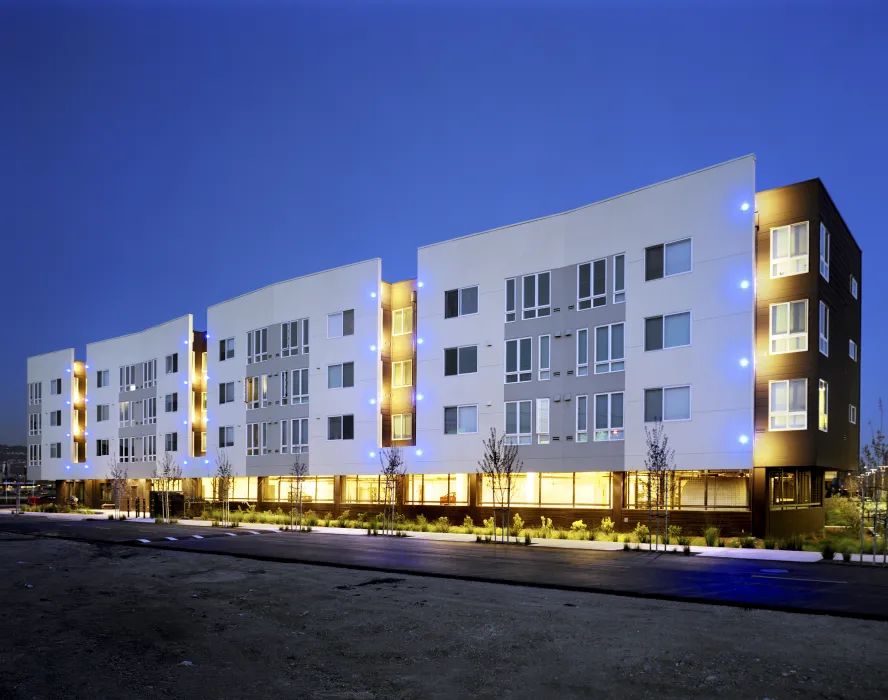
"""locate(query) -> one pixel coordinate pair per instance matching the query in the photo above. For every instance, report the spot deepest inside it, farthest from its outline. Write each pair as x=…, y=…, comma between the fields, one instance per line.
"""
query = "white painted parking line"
x=254, y=532
x=171, y=539
x=197, y=537
x=231, y=534
x=143, y=541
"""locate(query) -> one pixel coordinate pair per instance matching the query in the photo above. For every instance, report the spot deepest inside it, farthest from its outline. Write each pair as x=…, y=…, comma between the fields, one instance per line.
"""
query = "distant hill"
x=13, y=459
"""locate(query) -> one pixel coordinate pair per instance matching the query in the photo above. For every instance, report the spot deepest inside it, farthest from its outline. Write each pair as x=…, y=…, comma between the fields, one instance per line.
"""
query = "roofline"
x=293, y=279
x=151, y=328
x=593, y=204
x=52, y=352
x=828, y=196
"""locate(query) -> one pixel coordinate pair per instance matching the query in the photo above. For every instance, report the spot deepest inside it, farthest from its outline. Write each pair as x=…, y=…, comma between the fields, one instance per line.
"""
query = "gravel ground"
x=104, y=622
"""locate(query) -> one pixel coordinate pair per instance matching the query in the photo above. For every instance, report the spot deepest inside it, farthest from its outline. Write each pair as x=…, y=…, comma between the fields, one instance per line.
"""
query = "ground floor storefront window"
x=363, y=489
x=792, y=488
x=245, y=488
x=555, y=489
x=688, y=490
x=315, y=489
x=437, y=489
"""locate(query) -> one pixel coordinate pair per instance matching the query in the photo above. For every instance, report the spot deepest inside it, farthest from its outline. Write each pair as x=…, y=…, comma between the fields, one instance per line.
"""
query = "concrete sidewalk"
x=770, y=555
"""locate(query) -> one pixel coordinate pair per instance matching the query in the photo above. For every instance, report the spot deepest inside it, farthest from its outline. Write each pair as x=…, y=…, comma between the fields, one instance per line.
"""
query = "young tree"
x=391, y=469
x=298, y=472
x=500, y=467
x=223, y=484
x=660, y=462
x=166, y=472
x=118, y=475
x=873, y=456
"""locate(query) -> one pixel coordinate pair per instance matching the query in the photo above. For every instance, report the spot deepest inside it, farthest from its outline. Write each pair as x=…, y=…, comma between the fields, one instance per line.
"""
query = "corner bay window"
x=402, y=426
x=789, y=327
x=792, y=488
x=688, y=490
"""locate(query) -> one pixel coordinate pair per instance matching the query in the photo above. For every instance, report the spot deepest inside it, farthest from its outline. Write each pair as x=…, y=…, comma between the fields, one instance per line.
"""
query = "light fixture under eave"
x=373, y=401
x=744, y=284
x=419, y=397
x=419, y=341
x=419, y=284
x=373, y=348
x=744, y=206
x=372, y=454
x=743, y=439
x=372, y=295
x=744, y=362
x=419, y=453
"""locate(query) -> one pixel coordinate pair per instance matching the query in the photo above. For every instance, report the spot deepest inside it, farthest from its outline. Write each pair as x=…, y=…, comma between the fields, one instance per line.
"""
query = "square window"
x=789, y=250
x=788, y=404
x=402, y=321
x=402, y=426
x=462, y=360
x=459, y=420
x=461, y=302
x=402, y=374
x=789, y=327
x=667, y=259
x=667, y=404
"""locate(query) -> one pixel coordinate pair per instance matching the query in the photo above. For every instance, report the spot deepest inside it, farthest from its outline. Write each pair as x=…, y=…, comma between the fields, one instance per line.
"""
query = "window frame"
x=404, y=366
x=619, y=294
x=405, y=311
x=824, y=337
x=593, y=300
x=854, y=287
x=610, y=434
x=663, y=390
x=852, y=414
x=544, y=373
x=405, y=419
x=531, y=312
x=789, y=335
x=342, y=418
x=823, y=405
x=223, y=436
x=459, y=301
x=301, y=346
x=342, y=384
x=611, y=361
x=458, y=408
x=581, y=435
x=171, y=399
x=226, y=346
x=171, y=438
x=664, y=245
x=852, y=350
x=543, y=437
x=252, y=438
x=520, y=438
x=302, y=396
x=824, y=248
x=257, y=345
x=514, y=312
x=518, y=355
x=459, y=371
x=583, y=367
x=251, y=398
x=787, y=413
x=149, y=411
x=790, y=258
x=171, y=363
x=663, y=317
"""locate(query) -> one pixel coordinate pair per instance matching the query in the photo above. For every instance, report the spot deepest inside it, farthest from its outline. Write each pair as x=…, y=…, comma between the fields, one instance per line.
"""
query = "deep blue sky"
x=155, y=158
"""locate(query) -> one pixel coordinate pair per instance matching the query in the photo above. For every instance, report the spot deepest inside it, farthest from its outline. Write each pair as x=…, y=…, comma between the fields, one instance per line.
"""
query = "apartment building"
x=687, y=303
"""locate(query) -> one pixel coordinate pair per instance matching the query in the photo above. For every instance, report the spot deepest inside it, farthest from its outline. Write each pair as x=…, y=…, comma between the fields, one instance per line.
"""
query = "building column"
x=617, y=481
x=261, y=482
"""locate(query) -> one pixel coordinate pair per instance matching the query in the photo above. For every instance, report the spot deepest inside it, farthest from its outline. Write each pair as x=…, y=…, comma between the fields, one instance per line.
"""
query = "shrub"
x=607, y=526
x=843, y=511
x=517, y=525
x=110, y=516
x=846, y=553
x=158, y=521
x=793, y=543
x=770, y=543
x=674, y=533
x=562, y=535
x=311, y=518
x=422, y=524
x=642, y=533
x=578, y=526
x=827, y=550
x=747, y=542
x=468, y=524
x=711, y=535
x=614, y=537
x=685, y=542
x=489, y=524
x=626, y=547
x=328, y=517
x=442, y=524
x=343, y=518
x=527, y=538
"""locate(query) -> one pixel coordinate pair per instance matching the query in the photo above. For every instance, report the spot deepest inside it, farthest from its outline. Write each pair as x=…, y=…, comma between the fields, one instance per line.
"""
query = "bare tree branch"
x=499, y=467
x=392, y=468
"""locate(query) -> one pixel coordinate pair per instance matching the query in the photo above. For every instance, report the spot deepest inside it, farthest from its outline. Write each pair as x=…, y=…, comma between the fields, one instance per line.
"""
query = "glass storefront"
x=553, y=489
x=437, y=489
x=688, y=490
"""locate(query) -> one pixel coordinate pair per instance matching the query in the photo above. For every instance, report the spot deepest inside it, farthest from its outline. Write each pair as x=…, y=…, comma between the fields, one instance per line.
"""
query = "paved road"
x=832, y=588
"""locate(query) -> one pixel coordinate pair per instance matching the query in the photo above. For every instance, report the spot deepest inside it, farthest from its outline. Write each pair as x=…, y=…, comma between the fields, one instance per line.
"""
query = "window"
x=788, y=407
x=252, y=439
x=35, y=423
x=126, y=415
x=511, y=304
x=171, y=403
x=823, y=406
x=263, y=389
x=518, y=423
x=150, y=446
x=171, y=442
x=824, y=252
x=55, y=387
x=402, y=426
x=55, y=418
x=582, y=419
x=266, y=447
x=790, y=488
x=341, y=428
x=402, y=321
x=667, y=404
x=251, y=392
x=125, y=450
x=402, y=374
x=460, y=419
x=172, y=363
x=667, y=259
x=789, y=250
x=55, y=450
x=226, y=392
x=151, y=410
x=285, y=388
x=852, y=414
x=669, y=331
x=102, y=378
x=149, y=373
x=542, y=421
x=789, y=327
x=852, y=350
x=257, y=345
x=619, y=278
x=102, y=449
x=536, y=297
x=824, y=329
x=35, y=393
x=226, y=436
x=592, y=284
x=341, y=323
x=299, y=386
x=294, y=436
x=461, y=302
x=609, y=348
x=582, y=352
x=853, y=286
x=102, y=412
x=462, y=360
x=518, y=360
x=294, y=337
x=128, y=378
x=545, y=345
x=435, y=489
x=341, y=376
x=609, y=416
x=35, y=455
x=226, y=349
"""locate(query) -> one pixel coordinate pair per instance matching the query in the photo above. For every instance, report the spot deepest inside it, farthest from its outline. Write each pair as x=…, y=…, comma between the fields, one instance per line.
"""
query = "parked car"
x=39, y=500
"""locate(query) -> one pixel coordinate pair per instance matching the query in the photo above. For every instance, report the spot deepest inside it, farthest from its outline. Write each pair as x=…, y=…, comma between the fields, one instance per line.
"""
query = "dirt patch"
x=116, y=622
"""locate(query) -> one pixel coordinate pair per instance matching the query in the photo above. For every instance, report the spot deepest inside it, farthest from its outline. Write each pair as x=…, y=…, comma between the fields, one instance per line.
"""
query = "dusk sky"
x=159, y=157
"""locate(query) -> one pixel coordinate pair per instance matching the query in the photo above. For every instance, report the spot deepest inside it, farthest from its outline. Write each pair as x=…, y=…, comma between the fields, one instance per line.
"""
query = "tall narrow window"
x=592, y=284
x=510, y=300
x=252, y=439
x=789, y=327
x=402, y=321
x=402, y=426
x=285, y=388
x=609, y=348
x=226, y=349
x=299, y=386
x=518, y=360
x=402, y=374
x=519, y=428
x=789, y=250
x=257, y=345
x=582, y=419
x=545, y=341
x=172, y=363
x=824, y=329
x=852, y=413
x=823, y=406
x=251, y=392
x=542, y=421
x=266, y=445
x=263, y=388
x=853, y=286
x=294, y=337
x=299, y=435
x=824, y=252
x=609, y=416
x=852, y=350
x=619, y=278
x=536, y=295
x=788, y=404
x=582, y=352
